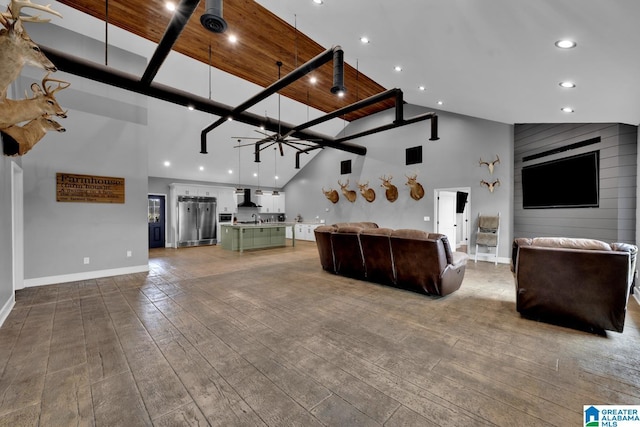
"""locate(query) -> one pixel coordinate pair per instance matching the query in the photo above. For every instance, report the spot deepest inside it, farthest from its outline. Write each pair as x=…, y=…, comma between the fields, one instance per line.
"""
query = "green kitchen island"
x=239, y=237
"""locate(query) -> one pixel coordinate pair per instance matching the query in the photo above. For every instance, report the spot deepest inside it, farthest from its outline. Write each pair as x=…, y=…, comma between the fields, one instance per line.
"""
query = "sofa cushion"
x=347, y=253
x=570, y=243
x=376, y=250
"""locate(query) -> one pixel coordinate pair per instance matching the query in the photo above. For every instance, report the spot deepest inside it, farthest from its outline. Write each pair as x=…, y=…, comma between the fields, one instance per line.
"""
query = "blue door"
x=156, y=221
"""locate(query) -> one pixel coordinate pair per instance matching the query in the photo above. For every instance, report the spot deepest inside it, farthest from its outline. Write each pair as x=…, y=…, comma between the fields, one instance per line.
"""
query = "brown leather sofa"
x=581, y=283
x=424, y=261
x=409, y=259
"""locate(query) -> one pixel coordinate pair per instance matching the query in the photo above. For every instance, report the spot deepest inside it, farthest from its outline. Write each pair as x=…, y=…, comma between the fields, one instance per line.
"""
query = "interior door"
x=156, y=220
x=447, y=216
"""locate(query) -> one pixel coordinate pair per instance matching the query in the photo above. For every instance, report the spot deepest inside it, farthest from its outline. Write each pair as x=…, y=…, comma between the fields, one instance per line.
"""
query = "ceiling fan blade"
x=280, y=147
x=267, y=146
x=246, y=137
x=261, y=132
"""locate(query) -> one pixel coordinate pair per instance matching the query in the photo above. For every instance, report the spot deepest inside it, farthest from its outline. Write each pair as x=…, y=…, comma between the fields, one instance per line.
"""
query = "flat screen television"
x=570, y=182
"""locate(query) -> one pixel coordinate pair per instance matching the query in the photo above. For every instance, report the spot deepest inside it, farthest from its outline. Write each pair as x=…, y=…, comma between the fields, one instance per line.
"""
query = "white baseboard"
x=8, y=306
x=85, y=275
x=490, y=258
x=636, y=295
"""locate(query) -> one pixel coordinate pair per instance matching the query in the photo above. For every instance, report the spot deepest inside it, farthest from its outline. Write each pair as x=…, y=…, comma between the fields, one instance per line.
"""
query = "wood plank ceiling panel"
x=263, y=39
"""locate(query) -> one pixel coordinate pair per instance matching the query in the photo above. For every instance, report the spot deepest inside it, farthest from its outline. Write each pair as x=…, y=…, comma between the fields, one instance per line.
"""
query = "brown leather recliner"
x=576, y=282
x=376, y=250
x=323, y=241
x=424, y=262
x=347, y=254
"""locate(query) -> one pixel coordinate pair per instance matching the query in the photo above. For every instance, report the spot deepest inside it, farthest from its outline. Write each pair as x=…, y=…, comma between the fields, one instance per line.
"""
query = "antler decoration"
x=16, y=50
x=490, y=165
x=490, y=185
x=14, y=8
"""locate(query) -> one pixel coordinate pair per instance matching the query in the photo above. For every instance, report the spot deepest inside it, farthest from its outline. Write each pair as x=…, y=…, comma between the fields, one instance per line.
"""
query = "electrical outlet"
x=128, y=254
x=86, y=260
x=426, y=218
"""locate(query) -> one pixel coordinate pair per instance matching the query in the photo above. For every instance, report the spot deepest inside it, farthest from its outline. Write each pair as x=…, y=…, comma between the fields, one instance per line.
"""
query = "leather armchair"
x=577, y=282
x=424, y=262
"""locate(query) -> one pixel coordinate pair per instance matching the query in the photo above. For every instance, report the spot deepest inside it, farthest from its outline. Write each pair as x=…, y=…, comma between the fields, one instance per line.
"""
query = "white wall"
x=106, y=136
x=451, y=162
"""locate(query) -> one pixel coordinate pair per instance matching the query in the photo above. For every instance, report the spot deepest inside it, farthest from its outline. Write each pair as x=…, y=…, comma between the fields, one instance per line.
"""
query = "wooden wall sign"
x=89, y=188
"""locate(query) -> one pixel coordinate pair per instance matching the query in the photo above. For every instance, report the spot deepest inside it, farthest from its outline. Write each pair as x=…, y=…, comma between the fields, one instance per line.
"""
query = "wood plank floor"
x=212, y=337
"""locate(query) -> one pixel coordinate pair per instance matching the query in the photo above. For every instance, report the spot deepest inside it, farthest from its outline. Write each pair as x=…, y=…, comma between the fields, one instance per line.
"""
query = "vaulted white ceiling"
x=493, y=59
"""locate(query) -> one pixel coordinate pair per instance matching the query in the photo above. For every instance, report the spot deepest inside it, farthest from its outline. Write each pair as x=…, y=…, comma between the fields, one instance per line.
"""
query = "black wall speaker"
x=345, y=167
x=414, y=155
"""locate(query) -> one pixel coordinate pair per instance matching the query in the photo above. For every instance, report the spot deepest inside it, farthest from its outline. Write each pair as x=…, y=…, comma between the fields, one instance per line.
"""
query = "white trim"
x=86, y=275
x=491, y=258
x=8, y=306
x=636, y=295
x=17, y=227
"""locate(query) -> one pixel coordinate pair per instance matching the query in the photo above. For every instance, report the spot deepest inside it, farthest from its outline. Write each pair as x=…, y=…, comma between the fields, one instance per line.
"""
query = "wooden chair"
x=488, y=236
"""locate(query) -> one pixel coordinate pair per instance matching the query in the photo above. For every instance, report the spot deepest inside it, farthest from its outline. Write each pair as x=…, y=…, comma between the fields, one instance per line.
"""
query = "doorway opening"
x=156, y=218
x=17, y=226
x=452, y=208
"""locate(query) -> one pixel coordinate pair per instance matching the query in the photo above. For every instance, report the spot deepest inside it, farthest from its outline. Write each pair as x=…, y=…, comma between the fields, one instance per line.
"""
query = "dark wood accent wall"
x=615, y=219
x=263, y=39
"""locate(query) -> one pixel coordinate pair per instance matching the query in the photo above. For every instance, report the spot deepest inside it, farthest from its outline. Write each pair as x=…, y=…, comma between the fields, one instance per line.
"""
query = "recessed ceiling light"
x=233, y=38
x=190, y=107
x=255, y=174
x=230, y=171
x=567, y=109
x=568, y=85
x=439, y=102
x=422, y=88
x=170, y=6
x=565, y=44
x=397, y=68
x=276, y=177
x=364, y=40
x=313, y=80
x=201, y=168
x=167, y=163
x=229, y=119
x=318, y=1
x=341, y=93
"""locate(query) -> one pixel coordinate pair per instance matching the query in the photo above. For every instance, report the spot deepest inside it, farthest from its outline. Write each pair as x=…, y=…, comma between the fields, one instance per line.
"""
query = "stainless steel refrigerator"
x=196, y=221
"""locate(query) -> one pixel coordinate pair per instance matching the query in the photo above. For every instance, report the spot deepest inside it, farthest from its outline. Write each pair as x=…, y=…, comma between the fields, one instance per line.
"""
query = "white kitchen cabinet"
x=227, y=201
x=271, y=204
x=306, y=231
x=265, y=203
x=278, y=203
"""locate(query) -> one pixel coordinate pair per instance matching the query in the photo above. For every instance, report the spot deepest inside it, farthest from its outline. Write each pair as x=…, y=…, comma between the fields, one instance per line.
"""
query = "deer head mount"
x=490, y=165
x=349, y=194
x=19, y=140
x=43, y=102
x=16, y=47
x=391, y=191
x=416, y=189
x=331, y=194
x=366, y=192
x=490, y=185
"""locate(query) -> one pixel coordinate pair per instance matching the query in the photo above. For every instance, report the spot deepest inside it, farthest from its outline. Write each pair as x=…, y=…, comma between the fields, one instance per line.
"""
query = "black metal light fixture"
x=338, y=73
x=212, y=18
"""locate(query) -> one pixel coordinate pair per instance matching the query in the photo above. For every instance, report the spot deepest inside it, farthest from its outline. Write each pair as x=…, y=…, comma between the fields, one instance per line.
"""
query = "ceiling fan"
x=267, y=140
